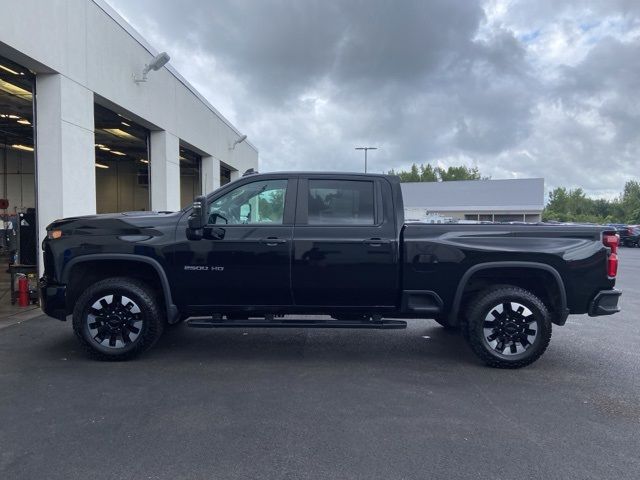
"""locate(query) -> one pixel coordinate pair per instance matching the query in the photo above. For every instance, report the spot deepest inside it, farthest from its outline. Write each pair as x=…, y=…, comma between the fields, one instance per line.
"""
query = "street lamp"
x=366, y=149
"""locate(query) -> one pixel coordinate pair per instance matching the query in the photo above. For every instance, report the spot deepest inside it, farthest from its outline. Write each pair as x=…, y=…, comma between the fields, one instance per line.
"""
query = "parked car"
x=277, y=244
x=630, y=236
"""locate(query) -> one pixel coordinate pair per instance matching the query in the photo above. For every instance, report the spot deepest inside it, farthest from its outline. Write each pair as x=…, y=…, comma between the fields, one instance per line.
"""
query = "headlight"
x=54, y=234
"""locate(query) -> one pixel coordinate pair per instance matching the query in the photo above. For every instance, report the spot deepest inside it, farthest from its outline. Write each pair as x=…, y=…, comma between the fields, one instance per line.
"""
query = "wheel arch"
x=112, y=264
x=515, y=266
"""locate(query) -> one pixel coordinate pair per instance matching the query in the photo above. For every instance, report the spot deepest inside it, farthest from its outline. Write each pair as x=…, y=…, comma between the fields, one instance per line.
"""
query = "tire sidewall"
x=132, y=290
x=488, y=302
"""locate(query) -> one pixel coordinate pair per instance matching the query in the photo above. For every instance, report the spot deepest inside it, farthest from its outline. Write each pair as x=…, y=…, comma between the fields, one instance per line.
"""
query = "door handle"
x=272, y=241
x=376, y=242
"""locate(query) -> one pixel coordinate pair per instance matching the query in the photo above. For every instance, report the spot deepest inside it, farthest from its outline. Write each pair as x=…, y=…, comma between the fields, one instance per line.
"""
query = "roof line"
x=133, y=33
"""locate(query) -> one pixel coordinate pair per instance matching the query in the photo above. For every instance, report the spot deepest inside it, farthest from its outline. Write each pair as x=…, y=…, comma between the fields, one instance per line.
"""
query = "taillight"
x=611, y=241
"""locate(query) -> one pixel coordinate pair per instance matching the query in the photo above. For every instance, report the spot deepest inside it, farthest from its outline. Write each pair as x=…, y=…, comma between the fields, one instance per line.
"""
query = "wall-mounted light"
x=157, y=63
x=238, y=142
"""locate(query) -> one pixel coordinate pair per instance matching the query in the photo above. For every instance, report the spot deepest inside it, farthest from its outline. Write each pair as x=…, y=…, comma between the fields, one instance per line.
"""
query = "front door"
x=244, y=259
x=345, y=248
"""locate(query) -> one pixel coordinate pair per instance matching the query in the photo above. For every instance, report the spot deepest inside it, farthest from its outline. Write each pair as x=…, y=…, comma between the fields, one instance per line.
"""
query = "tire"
x=506, y=318
x=109, y=329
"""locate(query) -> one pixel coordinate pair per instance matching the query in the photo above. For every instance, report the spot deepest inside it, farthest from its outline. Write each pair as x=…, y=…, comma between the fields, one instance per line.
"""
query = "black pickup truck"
x=268, y=246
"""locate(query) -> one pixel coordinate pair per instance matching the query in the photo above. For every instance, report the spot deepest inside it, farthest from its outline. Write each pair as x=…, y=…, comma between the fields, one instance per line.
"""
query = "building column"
x=210, y=174
x=65, y=151
x=165, y=171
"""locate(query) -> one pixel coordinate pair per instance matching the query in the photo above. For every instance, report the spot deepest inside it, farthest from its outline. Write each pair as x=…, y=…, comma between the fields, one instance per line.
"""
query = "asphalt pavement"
x=324, y=404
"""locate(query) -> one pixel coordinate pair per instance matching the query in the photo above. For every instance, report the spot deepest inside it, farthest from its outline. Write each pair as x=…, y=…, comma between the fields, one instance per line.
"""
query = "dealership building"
x=510, y=200
x=82, y=130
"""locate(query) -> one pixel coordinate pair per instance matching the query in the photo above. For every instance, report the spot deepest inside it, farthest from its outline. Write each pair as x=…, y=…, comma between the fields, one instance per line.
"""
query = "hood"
x=125, y=223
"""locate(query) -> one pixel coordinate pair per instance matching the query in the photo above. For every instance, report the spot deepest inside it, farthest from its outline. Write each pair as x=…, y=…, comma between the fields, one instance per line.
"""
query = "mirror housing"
x=198, y=218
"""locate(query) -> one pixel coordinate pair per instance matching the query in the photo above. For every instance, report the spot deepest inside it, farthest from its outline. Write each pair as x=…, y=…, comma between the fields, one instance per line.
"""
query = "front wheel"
x=508, y=327
x=117, y=319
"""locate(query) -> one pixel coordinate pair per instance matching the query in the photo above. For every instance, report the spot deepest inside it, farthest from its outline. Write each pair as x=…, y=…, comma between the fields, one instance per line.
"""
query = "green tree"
x=429, y=173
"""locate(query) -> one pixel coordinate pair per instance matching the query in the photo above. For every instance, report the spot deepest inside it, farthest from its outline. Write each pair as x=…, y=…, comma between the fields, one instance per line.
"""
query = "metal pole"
x=365, y=159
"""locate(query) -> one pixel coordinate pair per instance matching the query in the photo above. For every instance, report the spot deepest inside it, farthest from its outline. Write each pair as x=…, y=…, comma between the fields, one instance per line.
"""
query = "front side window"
x=252, y=203
x=348, y=202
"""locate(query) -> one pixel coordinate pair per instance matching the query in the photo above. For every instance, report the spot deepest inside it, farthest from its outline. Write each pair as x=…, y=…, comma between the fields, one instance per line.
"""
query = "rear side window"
x=348, y=202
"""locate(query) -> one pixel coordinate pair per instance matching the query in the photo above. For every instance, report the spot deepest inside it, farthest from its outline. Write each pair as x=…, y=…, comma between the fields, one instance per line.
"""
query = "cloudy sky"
x=538, y=88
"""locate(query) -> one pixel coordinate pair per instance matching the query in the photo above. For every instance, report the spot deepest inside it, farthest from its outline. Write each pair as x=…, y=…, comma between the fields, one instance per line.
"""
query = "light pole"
x=366, y=149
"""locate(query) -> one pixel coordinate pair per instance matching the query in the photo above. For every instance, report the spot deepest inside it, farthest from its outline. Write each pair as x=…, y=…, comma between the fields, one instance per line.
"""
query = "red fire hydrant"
x=23, y=292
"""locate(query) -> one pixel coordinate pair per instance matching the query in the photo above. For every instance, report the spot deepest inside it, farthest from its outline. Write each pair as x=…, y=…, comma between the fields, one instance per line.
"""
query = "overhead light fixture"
x=24, y=121
x=125, y=124
x=182, y=158
x=23, y=147
x=9, y=115
x=106, y=149
x=101, y=165
x=120, y=133
x=144, y=160
x=120, y=154
x=15, y=90
x=7, y=69
x=157, y=63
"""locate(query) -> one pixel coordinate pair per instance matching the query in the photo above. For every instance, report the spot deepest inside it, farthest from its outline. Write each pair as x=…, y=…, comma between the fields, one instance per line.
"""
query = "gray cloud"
x=517, y=88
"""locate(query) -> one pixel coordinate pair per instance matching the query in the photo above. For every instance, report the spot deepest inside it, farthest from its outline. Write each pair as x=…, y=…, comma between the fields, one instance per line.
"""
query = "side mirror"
x=198, y=218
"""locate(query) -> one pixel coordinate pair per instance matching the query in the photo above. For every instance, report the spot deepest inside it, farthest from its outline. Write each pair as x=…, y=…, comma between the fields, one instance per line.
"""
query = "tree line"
x=564, y=205
x=429, y=173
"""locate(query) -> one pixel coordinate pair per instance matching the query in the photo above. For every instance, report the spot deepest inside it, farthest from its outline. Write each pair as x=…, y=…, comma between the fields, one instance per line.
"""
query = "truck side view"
x=268, y=246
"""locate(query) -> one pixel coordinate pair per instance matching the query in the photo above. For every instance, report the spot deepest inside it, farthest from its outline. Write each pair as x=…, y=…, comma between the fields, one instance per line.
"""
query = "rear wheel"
x=508, y=327
x=117, y=319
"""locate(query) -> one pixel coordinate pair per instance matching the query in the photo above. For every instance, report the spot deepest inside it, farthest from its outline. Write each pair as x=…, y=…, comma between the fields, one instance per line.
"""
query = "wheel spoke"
x=513, y=347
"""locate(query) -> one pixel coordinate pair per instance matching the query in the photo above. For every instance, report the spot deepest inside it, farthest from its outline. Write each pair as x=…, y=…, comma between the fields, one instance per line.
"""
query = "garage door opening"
x=190, y=176
x=18, y=233
x=122, y=163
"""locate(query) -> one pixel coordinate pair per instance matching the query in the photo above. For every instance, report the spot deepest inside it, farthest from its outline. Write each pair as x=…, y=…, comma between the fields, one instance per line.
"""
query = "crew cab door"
x=345, y=247
x=244, y=258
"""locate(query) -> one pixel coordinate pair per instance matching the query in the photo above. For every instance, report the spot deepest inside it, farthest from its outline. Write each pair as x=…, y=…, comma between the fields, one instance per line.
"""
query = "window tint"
x=340, y=202
x=253, y=203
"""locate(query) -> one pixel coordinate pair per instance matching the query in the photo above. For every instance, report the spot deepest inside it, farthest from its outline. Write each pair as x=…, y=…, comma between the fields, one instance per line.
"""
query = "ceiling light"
x=182, y=158
x=15, y=90
x=106, y=149
x=24, y=121
x=125, y=124
x=9, y=115
x=120, y=133
x=101, y=165
x=7, y=69
x=143, y=160
x=23, y=147
x=118, y=153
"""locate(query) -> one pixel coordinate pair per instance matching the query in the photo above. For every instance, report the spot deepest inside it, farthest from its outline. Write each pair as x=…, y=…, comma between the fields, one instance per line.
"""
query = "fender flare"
x=457, y=299
x=171, y=309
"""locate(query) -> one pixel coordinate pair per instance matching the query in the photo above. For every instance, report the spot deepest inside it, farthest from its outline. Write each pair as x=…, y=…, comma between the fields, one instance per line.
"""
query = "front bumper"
x=605, y=303
x=53, y=299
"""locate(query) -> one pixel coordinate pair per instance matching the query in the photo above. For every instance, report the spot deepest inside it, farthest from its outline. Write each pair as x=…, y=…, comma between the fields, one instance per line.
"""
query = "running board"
x=294, y=323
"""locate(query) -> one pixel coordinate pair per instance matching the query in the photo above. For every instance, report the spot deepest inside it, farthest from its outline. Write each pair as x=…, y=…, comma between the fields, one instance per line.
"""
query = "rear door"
x=345, y=248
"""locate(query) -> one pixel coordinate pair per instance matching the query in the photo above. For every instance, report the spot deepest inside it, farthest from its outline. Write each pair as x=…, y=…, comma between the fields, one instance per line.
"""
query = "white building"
x=511, y=200
x=78, y=135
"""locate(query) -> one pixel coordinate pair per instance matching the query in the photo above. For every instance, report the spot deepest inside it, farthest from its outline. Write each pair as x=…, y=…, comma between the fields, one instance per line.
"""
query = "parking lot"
x=329, y=404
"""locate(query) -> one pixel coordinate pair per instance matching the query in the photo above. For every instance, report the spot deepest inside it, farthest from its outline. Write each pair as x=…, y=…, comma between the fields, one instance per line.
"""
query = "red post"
x=23, y=292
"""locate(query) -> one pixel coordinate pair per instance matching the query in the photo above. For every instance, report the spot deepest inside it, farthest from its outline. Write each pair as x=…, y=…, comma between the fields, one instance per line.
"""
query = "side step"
x=296, y=323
